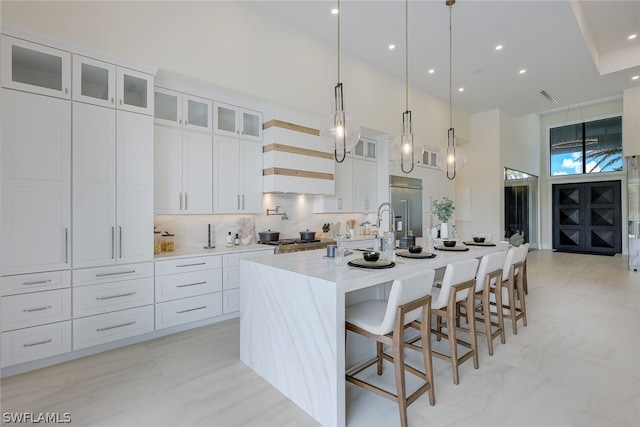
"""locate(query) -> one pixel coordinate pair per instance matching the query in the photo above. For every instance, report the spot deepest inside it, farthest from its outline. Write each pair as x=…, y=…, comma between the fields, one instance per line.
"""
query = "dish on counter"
x=453, y=248
x=472, y=243
x=421, y=255
x=381, y=263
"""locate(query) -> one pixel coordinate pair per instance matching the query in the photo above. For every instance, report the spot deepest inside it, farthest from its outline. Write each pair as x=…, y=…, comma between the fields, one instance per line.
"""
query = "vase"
x=444, y=230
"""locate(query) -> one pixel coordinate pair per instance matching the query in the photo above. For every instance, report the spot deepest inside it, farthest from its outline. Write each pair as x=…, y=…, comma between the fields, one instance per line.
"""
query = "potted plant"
x=443, y=210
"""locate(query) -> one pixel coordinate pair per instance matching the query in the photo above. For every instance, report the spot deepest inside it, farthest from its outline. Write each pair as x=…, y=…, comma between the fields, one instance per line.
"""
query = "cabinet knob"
x=121, y=102
x=112, y=100
x=66, y=90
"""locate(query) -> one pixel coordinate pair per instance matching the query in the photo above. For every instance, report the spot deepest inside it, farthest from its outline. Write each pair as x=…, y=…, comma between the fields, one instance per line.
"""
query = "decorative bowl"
x=449, y=243
x=371, y=255
x=415, y=249
x=479, y=239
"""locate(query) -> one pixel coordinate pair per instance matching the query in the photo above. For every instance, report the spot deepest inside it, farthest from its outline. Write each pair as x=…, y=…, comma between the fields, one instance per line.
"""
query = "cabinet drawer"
x=94, y=276
x=35, y=343
x=11, y=285
x=187, y=310
x=104, y=328
x=231, y=278
x=106, y=297
x=234, y=259
x=231, y=301
x=176, y=286
x=37, y=308
x=185, y=265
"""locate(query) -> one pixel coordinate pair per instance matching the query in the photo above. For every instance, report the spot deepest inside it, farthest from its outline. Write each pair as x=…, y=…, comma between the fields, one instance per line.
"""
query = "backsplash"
x=191, y=230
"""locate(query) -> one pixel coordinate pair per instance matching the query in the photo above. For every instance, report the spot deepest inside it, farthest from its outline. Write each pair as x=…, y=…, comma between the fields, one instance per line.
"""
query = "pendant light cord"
x=406, y=60
x=339, y=13
x=450, y=69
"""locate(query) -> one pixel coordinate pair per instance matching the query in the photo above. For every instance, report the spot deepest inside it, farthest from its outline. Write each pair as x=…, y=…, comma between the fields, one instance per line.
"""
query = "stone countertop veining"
x=189, y=252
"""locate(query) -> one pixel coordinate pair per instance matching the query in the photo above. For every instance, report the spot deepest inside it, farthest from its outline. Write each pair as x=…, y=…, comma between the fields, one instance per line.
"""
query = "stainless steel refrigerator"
x=406, y=199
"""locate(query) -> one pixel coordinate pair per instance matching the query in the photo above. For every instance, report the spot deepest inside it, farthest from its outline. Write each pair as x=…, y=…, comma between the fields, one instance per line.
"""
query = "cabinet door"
x=167, y=107
x=226, y=193
x=36, y=183
x=135, y=91
x=251, y=125
x=94, y=185
x=197, y=173
x=251, y=177
x=134, y=235
x=364, y=185
x=225, y=119
x=35, y=68
x=94, y=81
x=167, y=155
x=344, y=185
x=197, y=113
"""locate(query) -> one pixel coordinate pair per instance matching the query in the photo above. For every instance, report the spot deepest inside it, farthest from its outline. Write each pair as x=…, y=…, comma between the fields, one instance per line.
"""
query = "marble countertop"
x=188, y=252
x=347, y=278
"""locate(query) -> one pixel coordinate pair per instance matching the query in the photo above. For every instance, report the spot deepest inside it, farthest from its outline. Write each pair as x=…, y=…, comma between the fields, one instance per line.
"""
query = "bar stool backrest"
x=455, y=273
x=406, y=289
x=488, y=264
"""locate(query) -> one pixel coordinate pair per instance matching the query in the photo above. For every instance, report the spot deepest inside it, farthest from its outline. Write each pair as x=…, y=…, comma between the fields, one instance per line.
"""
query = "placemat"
x=472, y=243
x=381, y=263
x=421, y=255
x=453, y=249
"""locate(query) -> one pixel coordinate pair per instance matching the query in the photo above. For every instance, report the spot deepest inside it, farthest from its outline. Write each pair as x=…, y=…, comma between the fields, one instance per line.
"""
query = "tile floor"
x=577, y=363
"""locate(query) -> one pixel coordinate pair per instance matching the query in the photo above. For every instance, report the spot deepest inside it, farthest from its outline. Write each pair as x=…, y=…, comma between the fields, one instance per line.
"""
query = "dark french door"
x=587, y=217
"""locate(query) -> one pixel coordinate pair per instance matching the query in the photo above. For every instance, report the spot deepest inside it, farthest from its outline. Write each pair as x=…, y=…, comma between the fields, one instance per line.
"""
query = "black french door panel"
x=587, y=217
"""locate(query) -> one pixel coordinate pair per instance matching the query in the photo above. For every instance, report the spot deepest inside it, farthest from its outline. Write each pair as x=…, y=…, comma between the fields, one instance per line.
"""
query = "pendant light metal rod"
x=406, y=56
x=406, y=139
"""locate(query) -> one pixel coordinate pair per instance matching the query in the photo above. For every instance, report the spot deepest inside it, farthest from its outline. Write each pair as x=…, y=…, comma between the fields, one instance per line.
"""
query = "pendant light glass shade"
x=339, y=131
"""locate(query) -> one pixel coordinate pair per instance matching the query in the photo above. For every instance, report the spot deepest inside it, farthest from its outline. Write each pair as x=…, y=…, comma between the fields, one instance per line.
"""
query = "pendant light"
x=451, y=159
x=339, y=131
x=406, y=139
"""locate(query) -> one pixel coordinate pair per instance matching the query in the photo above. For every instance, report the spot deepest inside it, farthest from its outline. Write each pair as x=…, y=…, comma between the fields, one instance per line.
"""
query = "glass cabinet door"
x=32, y=67
x=251, y=124
x=94, y=81
x=225, y=119
x=135, y=92
x=198, y=112
x=167, y=107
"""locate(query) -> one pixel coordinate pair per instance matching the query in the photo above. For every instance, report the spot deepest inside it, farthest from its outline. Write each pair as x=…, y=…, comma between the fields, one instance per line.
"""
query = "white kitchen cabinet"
x=343, y=199
x=94, y=81
x=231, y=278
x=182, y=110
x=108, y=327
x=237, y=121
x=134, y=91
x=185, y=310
x=366, y=149
x=36, y=68
x=36, y=183
x=26, y=345
x=33, y=309
x=183, y=161
x=112, y=181
x=365, y=185
x=237, y=175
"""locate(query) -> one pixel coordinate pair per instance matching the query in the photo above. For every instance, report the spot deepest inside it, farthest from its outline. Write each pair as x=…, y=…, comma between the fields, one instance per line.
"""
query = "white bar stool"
x=409, y=305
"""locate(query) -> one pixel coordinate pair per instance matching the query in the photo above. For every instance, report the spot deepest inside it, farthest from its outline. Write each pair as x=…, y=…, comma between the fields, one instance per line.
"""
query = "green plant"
x=443, y=209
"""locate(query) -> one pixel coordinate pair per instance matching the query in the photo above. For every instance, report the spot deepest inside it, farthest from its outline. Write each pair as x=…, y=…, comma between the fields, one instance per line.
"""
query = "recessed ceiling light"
x=635, y=77
x=499, y=47
x=523, y=71
x=461, y=89
x=334, y=11
x=431, y=71
x=632, y=36
x=392, y=46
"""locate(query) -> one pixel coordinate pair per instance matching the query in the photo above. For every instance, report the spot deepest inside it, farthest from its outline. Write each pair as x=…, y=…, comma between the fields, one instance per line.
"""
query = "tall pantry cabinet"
x=77, y=200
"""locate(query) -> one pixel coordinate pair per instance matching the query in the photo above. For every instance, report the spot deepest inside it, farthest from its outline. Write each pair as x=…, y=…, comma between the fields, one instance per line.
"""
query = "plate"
x=453, y=249
x=421, y=255
x=472, y=243
x=362, y=263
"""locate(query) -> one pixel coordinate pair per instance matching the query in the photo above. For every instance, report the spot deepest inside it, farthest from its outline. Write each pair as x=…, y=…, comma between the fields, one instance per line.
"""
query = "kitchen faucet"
x=275, y=212
x=392, y=225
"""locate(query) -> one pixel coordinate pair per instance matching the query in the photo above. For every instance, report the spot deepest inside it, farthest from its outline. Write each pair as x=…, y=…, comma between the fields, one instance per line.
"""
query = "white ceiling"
x=577, y=51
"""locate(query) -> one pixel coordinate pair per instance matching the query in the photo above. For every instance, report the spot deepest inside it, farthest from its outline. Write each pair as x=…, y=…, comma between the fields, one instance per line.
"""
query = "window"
x=584, y=148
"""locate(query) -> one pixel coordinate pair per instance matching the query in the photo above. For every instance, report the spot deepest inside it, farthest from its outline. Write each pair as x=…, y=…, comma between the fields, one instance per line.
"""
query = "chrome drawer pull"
x=39, y=282
x=29, y=310
x=116, y=296
x=116, y=326
x=37, y=343
x=191, y=309
x=192, y=265
x=115, y=274
x=190, y=284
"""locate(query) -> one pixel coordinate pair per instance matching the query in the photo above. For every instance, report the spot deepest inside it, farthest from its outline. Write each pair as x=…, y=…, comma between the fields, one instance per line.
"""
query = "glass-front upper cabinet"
x=134, y=91
x=177, y=109
x=94, y=81
x=232, y=120
x=36, y=68
x=365, y=148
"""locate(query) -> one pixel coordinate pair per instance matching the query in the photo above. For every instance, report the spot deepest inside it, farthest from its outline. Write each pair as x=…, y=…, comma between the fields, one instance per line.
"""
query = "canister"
x=157, y=242
x=168, y=242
